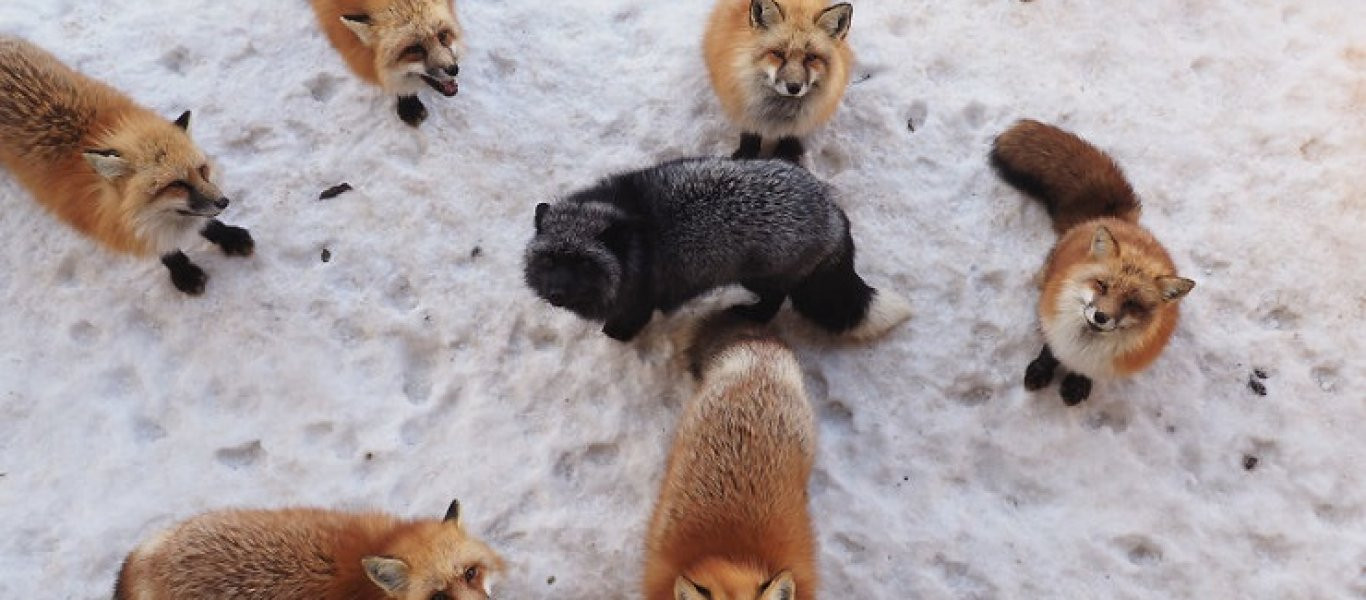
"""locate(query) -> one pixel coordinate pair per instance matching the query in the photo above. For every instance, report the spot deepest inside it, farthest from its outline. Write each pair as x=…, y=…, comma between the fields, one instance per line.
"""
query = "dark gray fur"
x=658, y=237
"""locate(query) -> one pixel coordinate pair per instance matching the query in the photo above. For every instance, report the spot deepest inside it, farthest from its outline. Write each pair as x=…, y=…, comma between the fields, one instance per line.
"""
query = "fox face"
x=715, y=579
x=164, y=183
x=437, y=561
x=793, y=55
x=415, y=42
x=1115, y=293
x=573, y=262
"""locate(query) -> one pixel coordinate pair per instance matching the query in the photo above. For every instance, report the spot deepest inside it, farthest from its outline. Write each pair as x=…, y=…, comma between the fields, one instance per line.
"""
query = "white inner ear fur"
x=108, y=167
x=390, y=574
x=836, y=20
x=362, y=30
x=685, y=590
x=782, y=588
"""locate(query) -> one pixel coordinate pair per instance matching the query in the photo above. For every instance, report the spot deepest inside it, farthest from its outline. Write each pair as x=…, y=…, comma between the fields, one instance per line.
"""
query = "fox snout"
x=1099, y=320
x=198, y=204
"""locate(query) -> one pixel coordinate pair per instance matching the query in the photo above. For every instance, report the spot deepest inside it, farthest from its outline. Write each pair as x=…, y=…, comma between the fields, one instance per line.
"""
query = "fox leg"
x=771, y=298
x=1074, y=389
x=1040, y=372
x=749, y=146
x=411, y=110
x=185, y=275
x=626, y=324
x=235, y=241
x=789, y=149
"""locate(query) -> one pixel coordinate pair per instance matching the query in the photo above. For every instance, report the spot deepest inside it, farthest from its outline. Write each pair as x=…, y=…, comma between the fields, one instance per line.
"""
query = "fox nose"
x=221, y=203
x=1101, y=318
x=453, y=70
x=793, y=88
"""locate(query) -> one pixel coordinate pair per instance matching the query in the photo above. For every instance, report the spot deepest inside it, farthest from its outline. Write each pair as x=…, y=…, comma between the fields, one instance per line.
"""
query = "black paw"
x=1074, y=389
x=411, y=110
x=789, y=149
x=185, y=275
x=235, y=241
x=622, y=332
x=1038, y=375
x=749, y=147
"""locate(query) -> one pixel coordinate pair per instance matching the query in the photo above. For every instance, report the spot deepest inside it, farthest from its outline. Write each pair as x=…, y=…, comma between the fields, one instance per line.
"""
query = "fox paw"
x=1074, y=389
x=1038, y=374
x=411, y=110
x=236, y=241
x=189, y=279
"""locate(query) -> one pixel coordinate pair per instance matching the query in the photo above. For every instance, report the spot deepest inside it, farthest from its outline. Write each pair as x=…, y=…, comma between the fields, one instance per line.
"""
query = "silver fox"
x=658, y=237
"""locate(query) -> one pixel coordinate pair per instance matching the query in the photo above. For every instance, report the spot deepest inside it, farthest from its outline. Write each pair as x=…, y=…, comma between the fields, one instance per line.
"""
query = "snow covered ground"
x=414, y=366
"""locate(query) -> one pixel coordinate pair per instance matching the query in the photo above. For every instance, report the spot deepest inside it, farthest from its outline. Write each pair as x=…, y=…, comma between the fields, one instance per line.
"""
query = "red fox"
x=779, y=68
x=397, y=45
x=731, y=522
x=1110, y=291
x=109, y=168
x=310, y=554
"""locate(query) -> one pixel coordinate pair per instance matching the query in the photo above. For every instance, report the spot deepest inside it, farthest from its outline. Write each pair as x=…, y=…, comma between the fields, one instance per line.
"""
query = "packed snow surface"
x=381, y=351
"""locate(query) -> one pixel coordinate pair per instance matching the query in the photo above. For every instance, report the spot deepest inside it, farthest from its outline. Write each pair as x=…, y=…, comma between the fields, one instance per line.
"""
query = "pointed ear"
x=1173, y=288
x=782, y=587
x=687, y=590
x=541, y=209
x=108, y=163
x=836, y=20
x=360, y=25
x=390, y=574
x=764, y=13
x=183, y=121
x=453, y=513
x=1103, y=244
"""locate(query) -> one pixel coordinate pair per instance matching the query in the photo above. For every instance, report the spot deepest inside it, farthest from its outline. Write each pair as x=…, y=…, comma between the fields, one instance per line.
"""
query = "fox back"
x=108, y=167
x=731, y=521
x=779, y=68
x=309, y=554
x=395, y=44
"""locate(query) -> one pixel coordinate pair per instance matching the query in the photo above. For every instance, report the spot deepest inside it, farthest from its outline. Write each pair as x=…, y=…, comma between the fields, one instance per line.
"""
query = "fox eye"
x=414, y=52
x=1133, y=307
x=204, y=171
x=814, y=61
x=445, y=37
x=778, y=56
x=1102, y=287
x=471, y=573
x=439, y=596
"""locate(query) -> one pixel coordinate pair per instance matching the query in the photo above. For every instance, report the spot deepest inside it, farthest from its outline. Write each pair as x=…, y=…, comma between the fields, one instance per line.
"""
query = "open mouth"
x=447, y=87
x=189, y=213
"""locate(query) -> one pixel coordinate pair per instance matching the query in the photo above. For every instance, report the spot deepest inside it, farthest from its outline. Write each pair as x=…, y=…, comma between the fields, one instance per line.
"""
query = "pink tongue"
x=450, y=88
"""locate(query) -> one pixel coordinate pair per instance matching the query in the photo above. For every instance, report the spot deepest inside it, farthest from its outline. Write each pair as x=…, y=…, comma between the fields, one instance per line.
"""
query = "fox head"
x=575, y=259
x=716, y=579
x=436, y=560
x=415, y=42
x=161, y=178
x=796, y=52
x=1118, y=291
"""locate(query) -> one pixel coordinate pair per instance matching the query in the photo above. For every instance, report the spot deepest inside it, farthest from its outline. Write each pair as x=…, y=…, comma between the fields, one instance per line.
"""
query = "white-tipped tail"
x=885, y=311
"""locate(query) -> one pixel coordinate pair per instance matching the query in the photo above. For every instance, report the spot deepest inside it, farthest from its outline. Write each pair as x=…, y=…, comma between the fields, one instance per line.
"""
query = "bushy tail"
x=837, y=299
x=1074, y=180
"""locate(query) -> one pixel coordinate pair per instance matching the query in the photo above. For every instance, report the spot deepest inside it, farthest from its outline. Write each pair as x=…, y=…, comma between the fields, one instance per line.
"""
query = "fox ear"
x=390, y=574
x=359, y=25
x=183, y=121
x=781, y=587
x=453, y=513
x=836, y=20
x=541, y=210
x=1103, y=244
x=687, y=590
x=1173, y=288
x=108, y=163
x=764, y=13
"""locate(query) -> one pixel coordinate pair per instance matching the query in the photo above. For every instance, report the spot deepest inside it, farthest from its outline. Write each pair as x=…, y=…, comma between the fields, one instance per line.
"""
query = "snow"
x=415, y=366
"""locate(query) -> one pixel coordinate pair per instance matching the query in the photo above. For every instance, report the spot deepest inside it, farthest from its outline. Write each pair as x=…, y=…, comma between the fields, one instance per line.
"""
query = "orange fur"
x=304, y=554
x=732, y=510
x=739, y=55
x=397, y=23
x=50, y=115
x=1104, y=263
